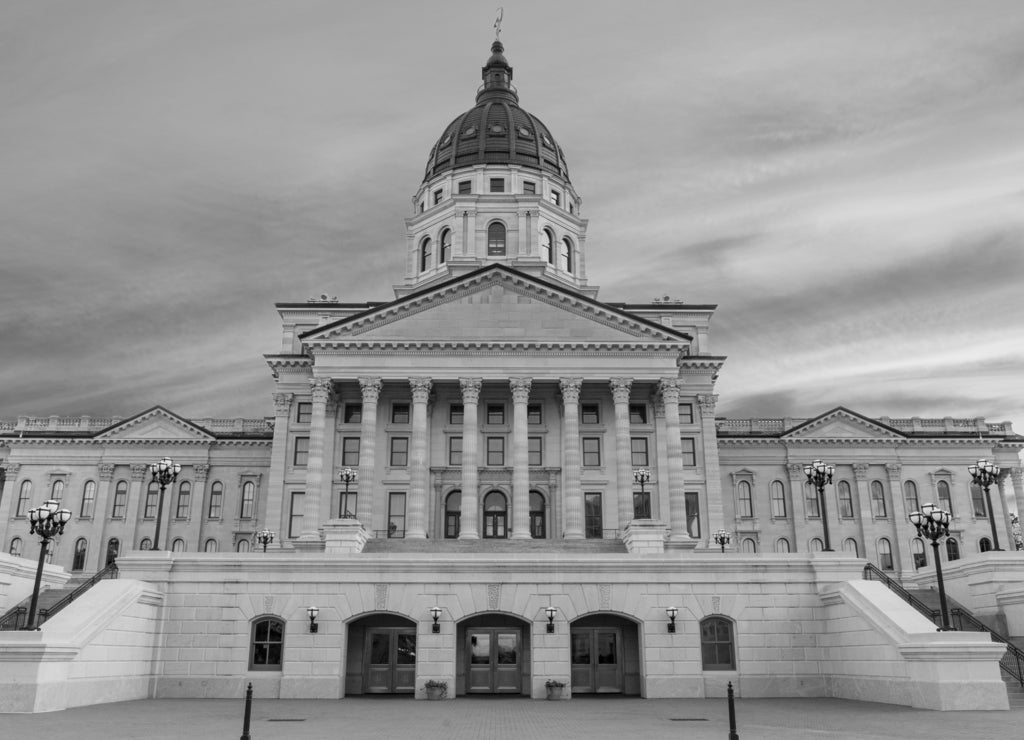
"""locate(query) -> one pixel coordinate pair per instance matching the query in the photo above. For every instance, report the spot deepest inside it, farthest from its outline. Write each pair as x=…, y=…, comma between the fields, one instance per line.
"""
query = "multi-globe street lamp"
x=264, y=537
x=933, y=523
x=347, y=476
x=164, y=473
x=722, y=539
x=48, y=522
x=818, y=474
x=985, y=473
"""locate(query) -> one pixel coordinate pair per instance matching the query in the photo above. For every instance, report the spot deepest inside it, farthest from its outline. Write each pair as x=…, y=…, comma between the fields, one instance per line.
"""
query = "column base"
x=644, y=536
x=307, y=543
x=573, y=536
x=469, y=536
x=415, y=535
x=521, y=536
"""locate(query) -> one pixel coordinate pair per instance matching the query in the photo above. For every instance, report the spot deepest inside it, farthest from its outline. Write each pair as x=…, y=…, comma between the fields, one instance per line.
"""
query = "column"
x=469, y=516
x=417, y=513
x=131, y=517
x=7, y=494
x=901, y=547
x=1017, y=477
x=801, y=526
x=101, y=514
x=322, y=389
x=623, y=450
x=194, y=528
x=520, y=460
x=276, y=504
x=571, y=459
x=1002, y=514
x=867, y=517
x=712, y=467
x=367, y=453
x=669, y=391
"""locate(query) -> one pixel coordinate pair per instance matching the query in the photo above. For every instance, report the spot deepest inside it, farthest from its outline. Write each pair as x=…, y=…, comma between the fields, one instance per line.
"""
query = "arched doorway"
x=492, y=655
x=605, y=655
x=113, y=550
x=495, y=515
x=381, y=655
x=80, y=549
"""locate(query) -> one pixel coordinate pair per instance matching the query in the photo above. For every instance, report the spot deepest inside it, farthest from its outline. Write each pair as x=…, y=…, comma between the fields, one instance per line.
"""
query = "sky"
x=845, y=180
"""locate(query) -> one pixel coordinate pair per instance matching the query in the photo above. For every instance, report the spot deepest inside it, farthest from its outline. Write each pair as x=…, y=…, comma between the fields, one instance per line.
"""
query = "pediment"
x=495, y=305
x=155, y=424
x=842, y=424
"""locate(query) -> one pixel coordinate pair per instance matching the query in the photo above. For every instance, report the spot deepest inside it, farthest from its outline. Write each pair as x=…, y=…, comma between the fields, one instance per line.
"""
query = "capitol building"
x=495, y=480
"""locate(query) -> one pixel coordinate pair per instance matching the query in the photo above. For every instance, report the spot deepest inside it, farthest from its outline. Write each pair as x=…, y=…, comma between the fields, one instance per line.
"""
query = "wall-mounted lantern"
x=672, y=612
x=312, y=611
x=435, y=612
x=551, y=612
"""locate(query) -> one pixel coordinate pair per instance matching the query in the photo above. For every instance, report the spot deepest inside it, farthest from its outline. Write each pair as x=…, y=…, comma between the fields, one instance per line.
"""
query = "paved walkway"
x=591, y=718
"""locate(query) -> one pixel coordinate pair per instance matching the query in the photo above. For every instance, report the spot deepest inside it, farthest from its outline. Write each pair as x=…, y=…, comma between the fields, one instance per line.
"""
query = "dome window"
x=447, y=139
x=565, y=255
x=469, y=132
x=525, y=132
x=496, y=239
x=446, y=246
x=547, y=142
x=497, y=130
x=556, y=197
x=426, y=252
x=547, y=253
x=529, y=188
x=497, y=185
x=465, y=187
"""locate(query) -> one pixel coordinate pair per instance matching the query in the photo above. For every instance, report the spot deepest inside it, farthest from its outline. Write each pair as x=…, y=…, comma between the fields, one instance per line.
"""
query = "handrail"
x=12, y=619
x=872, y=572
x=109, y=572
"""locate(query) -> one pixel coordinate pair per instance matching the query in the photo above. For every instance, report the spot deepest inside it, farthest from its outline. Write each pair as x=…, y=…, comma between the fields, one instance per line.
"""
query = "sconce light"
x=312, y=611
x=435, y=612
x=672, y=612
x=551, y=612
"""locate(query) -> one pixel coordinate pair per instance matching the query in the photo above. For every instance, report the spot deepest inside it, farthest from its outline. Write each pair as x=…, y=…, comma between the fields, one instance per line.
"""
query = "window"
x=495, y=413
x=535, y=451
x=533, y=414
x=850, y=546
x=350, y=452
x=692, y=505
x=538, y=525
x=113, y=550
x=178, y=545
x=547, y=252
x=295, y=514
x=353, y=413
x=716, y=645
x=88, y=499
x=777, y=493
x=437, y=196
x=641, y=504
x=977, y=500
x=301, y=456
x=184, y=500
x=952, y=550
x=248, y=500
x=782, y=545
x=146, y=544
x=984, y=545
x=446, y=246
x=497, y=185
x=816, y=545
x=267, y=651
x=945, y=501
x=455, y=451
x=456, y=414
x=917, y=549
x=210, y=546
x=590, y=413
x=565, y=255
x=811, y=501
x=57, y=491
x=152, y=498
x=24, y=498
x=399, y=452
x=556, y=197
x=78, y=563
x=120, y=500
x=15, y=548
x=877, y=499
x=591, y=452
x=400, y=413
x=637, y=413
x=396, y=515
x=689, y=452
x=347, y=504
x=845, y=500
x=243, y=546
x=638, y=452
x=910, y=496
x=303, y=412
x=216, y=500
x=426, y=252
x=592, y=516
x=686, y=413
x=884, y=554
x=423, y=206
x=529, y=188
x=495, y=450
x=452, y=515
x=495, y=516
x=744, y=500
x=465, y=187
x=748, y=546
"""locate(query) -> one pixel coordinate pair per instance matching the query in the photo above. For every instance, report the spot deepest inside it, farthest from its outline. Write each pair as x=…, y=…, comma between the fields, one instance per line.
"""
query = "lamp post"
x=985, y=473
x=347, y=476
x=47, y=521
x=164, y=473
x=933, y=523
x=642, y=476
x=818, y=474
x=264, y=537
x=722, y=539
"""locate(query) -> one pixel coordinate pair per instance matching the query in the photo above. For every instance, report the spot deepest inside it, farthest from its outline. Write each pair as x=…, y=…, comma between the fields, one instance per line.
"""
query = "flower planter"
x=554, y=693
x=436, y=693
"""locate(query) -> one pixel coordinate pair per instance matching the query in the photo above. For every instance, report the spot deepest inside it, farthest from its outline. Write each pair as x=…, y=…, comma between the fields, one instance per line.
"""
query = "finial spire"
x=497, y=23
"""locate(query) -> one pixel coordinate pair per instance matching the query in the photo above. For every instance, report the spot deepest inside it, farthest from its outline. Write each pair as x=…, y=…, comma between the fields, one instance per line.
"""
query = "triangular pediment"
x=495, y=304
x=842, y=423
x=156, y=423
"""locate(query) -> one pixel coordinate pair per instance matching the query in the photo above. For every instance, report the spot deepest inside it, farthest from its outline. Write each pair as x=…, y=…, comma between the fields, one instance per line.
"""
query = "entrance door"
x=596, y=660
x=390, y=661
x=494, y=656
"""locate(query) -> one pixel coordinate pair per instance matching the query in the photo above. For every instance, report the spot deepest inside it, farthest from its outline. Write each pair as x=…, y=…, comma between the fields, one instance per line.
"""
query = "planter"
x=554, y=693
x=436, y=693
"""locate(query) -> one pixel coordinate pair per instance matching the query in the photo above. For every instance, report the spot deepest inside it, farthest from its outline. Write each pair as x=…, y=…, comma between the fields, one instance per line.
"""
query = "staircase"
x=493, y=547
x=52, y=600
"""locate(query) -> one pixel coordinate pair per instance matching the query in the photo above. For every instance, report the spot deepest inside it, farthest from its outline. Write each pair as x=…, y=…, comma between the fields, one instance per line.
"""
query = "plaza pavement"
x=472, y=718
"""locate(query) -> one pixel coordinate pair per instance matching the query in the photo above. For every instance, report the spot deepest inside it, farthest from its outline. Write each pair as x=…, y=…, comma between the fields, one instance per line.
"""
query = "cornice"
x=347, y=346
x=851, y=441
x=79, y=441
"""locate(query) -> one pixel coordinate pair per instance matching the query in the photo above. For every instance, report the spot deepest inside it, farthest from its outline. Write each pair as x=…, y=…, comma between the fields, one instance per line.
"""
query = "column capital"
x=420, y=389
x=894, y=470
x=471, y=389
x=370, y=387
x=570, y=388
x=620, y=389
x=139, y=471
x=107, y=471
x=669, y=390
x=1016, y=474
x=283, y=403
x=796, y=472
x=202, y=470
x=11, y=469
x=860, y=471
x=707, y=402
x=520, y=389
x=321, y=388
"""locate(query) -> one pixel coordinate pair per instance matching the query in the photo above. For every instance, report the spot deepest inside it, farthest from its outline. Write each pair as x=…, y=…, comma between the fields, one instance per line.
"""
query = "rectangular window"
x=303, y=412
x=350, y=452
x=301, y=456
x=295, y=515
x=465, y=187
x=535, y=451
x=347, y=504
x=556, y=197
x=529, y=188
x=248, y=508
x=638, y=450
x=593, y=518
x=591, y=452
x=533, y=413
x=686, y=413
x=590, y=413
x=396, y=515
x=495, y=450
x=353, y=413
x=455, y=451
x=399, y=452
x=637, y=413
x=437, y=196
x=689, y=452
x=456, y=414
x=400, y=413
x=497, y=185
x=692, y=499
x=495, y=413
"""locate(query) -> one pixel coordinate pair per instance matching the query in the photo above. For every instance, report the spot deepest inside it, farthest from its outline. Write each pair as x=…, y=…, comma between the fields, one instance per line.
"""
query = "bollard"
x=732, y=716
x=248, y=712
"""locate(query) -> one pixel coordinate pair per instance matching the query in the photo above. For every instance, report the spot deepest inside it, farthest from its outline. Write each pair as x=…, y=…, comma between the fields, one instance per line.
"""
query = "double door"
x=390, y=661
x=596, y=660
x=495, y=660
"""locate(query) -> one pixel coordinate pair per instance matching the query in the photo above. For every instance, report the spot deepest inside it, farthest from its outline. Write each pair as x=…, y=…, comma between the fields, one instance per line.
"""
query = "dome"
x=496, y=130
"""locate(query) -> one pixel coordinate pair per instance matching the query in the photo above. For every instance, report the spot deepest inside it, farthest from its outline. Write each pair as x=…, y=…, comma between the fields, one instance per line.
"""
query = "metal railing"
x=17, y=618
x=873, y=573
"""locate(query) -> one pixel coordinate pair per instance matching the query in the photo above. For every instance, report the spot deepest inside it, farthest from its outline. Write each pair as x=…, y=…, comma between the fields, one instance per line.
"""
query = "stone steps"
x=398, y=545
x=1014, y=692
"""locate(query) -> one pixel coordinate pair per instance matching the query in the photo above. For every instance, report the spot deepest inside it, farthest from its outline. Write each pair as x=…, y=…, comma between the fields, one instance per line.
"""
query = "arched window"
x=917, y=548
x=495, y=515
x=952, y=550
x=57, y=491
x=884, y=554
x=878, y=499
x=266, y=651
x=446, y=246
x=88, y=499
x=452, y=514
x=78, y=563
x=426, y=253
x=811, y=501
x=748, y=545
x=210, y=546
x=978, y=501
x=845, y=500
x=24, y=499
x=216, y=500
x=15, y=548
x=120, y=500
x=850, y=546
x=538, y=523
x=782, y=545
x=113, y=550
x=717, y=651
x=778, y=495
x=744, y=500
x=910, y=496
x=152, y=496
x=178, y=545
x=547, y=252
x=248, y=499
x=816, y=545
x=984, y=545
x=146, y=544
x=496, y=239
x=565, y=255
x=184, y=500
x=945, y=500
x=242, y=546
